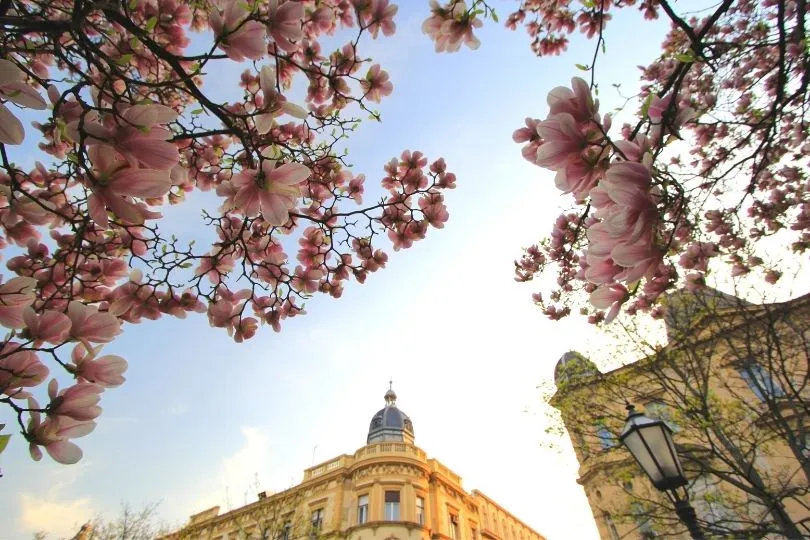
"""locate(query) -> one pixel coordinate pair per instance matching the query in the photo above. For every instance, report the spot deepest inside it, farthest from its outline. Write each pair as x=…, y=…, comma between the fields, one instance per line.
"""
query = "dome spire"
x=390, y=396
x=390, y=424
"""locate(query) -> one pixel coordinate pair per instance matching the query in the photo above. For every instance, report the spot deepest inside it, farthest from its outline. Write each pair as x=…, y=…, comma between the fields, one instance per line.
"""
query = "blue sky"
x=201, y=418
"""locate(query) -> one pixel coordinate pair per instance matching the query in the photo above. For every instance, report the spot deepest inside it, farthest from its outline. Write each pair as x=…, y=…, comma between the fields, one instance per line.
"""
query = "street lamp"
x=650, y=442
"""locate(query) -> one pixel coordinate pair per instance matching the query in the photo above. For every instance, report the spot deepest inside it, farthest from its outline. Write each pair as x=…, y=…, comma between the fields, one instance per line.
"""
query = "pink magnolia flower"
x=578, y=102
x=659, y=107
x=451, y=26
x=19, y=368
x=53, y=434
x=356, y=188
x=105, y=371
x=88, y=323
x=561, y=137
x=79, y=401
x=116, y=183
x=639, y=260
x=239, y=39
x=634, y=214
x=381, y=17
x=284, y=24
x=51, y=326
x=15, y=295
x=14, y=88
x=376, y=84
x=610, y=296
x=273, y=191
x=139, y=137
x=307, y=280
x=273, y=103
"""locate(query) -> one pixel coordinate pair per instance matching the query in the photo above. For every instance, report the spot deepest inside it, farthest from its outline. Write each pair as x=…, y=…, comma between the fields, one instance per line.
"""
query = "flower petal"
x=64, y=452
x=141, y=183
x=290, y=174
x=11, y=130
x=23, y=94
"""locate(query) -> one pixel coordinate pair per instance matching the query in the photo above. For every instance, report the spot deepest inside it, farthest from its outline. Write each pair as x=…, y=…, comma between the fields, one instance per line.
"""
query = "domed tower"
x=574, y=367
x=390, y=424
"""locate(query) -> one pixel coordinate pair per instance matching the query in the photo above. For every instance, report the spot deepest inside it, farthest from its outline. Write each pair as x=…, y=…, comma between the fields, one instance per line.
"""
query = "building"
x=732, y=384
x=388, y=490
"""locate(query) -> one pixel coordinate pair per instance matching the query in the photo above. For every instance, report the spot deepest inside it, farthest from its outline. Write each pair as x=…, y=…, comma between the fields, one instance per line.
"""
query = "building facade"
x=387, y=490
x=732, y=384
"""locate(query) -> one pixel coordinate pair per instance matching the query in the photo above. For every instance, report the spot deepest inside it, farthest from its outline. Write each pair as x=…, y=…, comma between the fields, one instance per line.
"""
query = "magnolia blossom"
x=116, y=183
x=90, y=324
x=380, y=16
x=273, y=102
x=271, y=191
x=376, y=84
x=451, y=25
x=15, y=295
x=239, y=39
x=51, y=326
x=106, y=371
x=15, y=89
x=54, y=434
x=284, y=24
x=79, y=402
x=19, y=368
x=609, y=297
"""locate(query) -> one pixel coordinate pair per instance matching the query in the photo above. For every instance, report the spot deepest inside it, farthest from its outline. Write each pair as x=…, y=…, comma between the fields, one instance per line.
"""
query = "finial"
x=390, y=396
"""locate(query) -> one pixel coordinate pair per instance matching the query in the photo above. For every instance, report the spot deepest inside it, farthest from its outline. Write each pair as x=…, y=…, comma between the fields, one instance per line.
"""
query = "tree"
x=711, y=170
x=274, y=516
x=733, y=381
x=129, y=525
x=128, y=126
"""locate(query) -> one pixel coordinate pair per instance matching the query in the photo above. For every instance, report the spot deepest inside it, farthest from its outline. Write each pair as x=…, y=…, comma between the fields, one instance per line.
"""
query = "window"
x=662, y=411
x=317, y=522
x=453, y=518
x=392, y=505
x=362, y=509
x=709, y=502
x=473, y=533
x=760, y=381
x=420, y=510
x=611, y=527
x=606, y=437
x=284, y=533
x=806, y=447
x=643, y=522
x=580, y=444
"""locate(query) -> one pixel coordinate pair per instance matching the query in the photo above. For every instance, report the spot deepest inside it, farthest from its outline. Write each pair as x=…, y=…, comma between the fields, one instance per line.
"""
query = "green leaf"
x=124, y=59
x=151, y=23
x=494, y=15
x=4, y=442
x=646, y=106
x=686, y=58
x=133, y=4
x=582, y=67
x=197, y=111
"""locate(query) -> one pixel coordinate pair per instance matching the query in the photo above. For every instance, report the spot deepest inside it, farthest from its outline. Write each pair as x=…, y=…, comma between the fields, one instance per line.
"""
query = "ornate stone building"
x=733, y=384
x=387, y=490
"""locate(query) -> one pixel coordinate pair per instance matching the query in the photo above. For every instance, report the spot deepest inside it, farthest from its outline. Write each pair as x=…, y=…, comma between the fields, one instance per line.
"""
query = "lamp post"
x=650, y=442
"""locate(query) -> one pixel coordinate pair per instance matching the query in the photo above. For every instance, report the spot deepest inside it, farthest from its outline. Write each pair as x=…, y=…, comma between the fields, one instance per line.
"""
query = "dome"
x=390, y=424
x=572, y=367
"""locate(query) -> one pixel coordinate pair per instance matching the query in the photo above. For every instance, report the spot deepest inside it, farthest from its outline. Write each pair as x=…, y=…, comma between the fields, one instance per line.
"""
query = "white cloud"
x=60, y=518
x=239, y=474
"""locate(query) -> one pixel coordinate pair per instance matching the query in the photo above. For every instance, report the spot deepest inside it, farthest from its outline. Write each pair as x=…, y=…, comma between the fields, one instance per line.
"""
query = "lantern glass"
x=650, y=442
